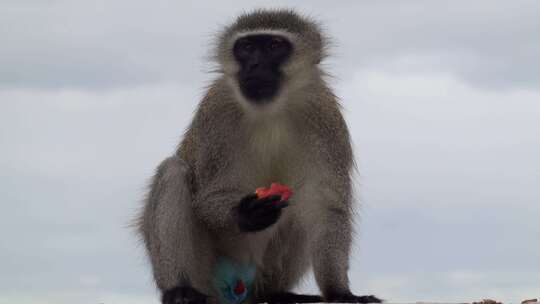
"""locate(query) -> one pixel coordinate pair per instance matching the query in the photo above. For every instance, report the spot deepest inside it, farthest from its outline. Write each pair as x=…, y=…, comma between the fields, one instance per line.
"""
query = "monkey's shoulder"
x=211, y=134
x=326, y=130
x=215, y=119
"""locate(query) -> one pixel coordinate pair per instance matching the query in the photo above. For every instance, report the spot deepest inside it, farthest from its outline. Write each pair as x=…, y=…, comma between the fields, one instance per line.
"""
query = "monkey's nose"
x=253, y=62
x=252, y=65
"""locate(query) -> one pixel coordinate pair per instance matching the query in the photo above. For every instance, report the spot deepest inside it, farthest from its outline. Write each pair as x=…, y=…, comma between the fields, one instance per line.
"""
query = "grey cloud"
x=488, y=43
x=99, y=44
x=122, y=43
x=68, y=226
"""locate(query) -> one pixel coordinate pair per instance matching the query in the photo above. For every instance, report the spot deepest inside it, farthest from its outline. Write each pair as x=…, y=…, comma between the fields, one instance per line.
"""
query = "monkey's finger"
x=263, y=212
x=249, y=198
x=269, y=217
x=271, y=199
x=260, y=225
x=273, y=206
x=247, y=202
x=255, y=205
x=280, y=205
x=262, y=220
x=263, y=202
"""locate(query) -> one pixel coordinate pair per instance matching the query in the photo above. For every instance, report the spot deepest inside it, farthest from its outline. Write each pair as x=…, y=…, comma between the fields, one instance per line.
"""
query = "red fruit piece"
x=282, y=190
x=262, y=192
x=275, y=189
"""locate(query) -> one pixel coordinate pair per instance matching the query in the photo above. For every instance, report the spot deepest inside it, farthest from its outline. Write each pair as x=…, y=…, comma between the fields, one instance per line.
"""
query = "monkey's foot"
x=350, y=298
x=289, y=297
x=183, y=295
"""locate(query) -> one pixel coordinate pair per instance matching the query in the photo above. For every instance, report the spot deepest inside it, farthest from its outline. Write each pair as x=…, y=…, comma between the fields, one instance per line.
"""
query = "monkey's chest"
x=272, y=154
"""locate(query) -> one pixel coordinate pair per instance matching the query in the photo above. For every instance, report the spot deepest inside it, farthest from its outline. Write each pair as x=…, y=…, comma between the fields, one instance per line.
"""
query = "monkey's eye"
x=247, y=46
x=276, y=43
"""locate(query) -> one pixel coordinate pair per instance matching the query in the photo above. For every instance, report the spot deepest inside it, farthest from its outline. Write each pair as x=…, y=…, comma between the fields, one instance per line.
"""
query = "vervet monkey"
x=269, y=117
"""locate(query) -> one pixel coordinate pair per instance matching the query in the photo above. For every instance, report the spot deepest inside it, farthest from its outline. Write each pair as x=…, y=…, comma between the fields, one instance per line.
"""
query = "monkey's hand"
x=255, y=214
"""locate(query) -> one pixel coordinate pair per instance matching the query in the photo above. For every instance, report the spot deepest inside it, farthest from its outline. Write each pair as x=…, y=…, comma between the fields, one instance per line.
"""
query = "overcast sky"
x=442, y=99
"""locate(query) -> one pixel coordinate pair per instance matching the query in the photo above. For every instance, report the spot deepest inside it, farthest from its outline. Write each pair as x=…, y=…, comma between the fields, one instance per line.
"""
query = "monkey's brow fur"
x=307, y=31
x=189, y=218
x=277, y=20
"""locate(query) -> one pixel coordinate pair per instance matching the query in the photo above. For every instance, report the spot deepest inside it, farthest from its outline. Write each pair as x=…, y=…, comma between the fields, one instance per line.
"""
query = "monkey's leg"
x=180, y=249
x=286, y=261
x=330, y=256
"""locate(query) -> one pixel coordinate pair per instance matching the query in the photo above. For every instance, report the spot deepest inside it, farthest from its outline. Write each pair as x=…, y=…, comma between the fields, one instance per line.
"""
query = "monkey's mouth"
x=258, y=89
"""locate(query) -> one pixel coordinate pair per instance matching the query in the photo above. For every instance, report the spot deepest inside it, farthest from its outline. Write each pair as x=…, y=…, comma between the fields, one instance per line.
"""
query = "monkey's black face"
x=260, y=58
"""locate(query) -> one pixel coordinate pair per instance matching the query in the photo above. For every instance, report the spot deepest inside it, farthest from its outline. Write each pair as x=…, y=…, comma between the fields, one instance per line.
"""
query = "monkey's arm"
x=331, y=248
x=166, y=223
x=332, y=243
x=214, y=206
x=233, y=211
